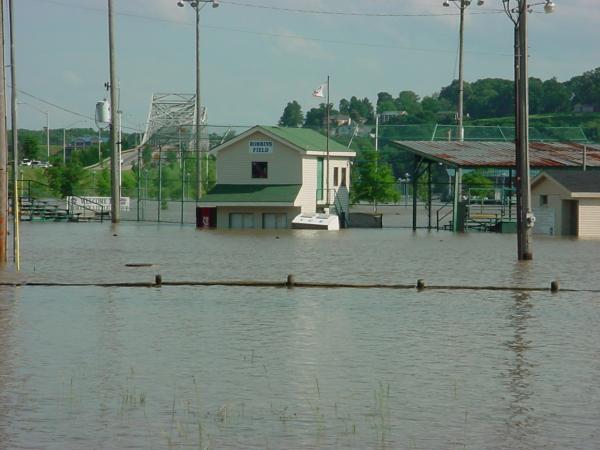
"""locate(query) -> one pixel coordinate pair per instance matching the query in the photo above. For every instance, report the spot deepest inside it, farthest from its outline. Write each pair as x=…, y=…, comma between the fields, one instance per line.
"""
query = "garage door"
x=241, y=220
x=275, y=220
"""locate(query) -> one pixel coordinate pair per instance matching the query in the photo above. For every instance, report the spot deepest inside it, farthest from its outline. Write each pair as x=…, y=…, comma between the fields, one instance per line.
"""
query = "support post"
x=15, y=140
x=327, y=148
x=457, y=189
x=159, y=182
x=461, y=79
x=198, y=110
x=518, y=152
x=415, y=183
x=429, y=194
x=526, y=213
x=3, y=151
x=115, y=162
x=139, y=181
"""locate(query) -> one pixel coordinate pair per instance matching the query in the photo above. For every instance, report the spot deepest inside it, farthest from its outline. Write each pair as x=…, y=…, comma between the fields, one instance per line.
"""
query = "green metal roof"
x=252, y=193
x=307, y=139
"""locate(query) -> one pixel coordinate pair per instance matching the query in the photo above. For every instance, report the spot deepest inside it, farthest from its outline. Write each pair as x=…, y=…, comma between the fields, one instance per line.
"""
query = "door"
x=569, y=217
x=320, y=178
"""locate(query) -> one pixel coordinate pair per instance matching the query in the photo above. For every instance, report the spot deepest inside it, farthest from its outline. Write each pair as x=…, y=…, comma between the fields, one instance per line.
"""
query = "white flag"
x=319, y=92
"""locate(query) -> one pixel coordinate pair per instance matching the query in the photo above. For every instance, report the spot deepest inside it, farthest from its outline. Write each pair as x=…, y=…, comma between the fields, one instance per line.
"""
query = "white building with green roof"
x=268, y=175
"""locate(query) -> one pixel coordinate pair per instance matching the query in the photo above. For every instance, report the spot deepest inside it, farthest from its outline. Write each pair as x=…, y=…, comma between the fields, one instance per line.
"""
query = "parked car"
x=26, y=162
x=44, y=164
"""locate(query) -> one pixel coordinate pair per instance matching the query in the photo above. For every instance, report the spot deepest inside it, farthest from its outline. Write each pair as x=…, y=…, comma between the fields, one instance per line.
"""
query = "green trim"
x=252, y=193
x=306, y=139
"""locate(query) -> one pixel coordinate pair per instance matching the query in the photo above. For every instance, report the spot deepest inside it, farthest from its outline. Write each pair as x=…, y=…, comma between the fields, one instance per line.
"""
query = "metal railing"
x=32, y=190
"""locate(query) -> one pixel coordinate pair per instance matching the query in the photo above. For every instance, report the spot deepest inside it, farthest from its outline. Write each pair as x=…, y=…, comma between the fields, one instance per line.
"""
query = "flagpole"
x=327, y=145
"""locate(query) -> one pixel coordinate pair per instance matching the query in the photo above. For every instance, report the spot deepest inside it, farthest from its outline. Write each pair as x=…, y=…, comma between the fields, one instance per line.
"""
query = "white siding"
x=339, y=163
x=589, y=218
x=555, y=194
x=234, y=163
x=307, y=197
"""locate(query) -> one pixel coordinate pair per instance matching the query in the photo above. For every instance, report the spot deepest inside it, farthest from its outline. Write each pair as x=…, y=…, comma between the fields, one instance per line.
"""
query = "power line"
x=276, y=35
x=62, y=108
x=347, y=13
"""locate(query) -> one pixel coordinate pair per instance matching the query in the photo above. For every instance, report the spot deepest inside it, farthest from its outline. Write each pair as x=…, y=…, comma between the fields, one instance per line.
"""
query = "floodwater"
x=272, y=368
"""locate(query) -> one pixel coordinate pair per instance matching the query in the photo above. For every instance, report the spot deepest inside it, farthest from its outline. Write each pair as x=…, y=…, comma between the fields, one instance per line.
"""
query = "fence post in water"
x=290, y=281
x=554, y=286
x=420, y=285
x=158, y=280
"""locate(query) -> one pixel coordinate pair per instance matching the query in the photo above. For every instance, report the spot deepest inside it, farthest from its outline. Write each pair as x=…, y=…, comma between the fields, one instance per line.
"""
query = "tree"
x=292, y=115
x=315, y=117
x=373, y=180
x=408, y=101
x=478, y=184
x=556, y=96
x=586, y=87
x=30, y=148
x=385, y=102
x=65, y=180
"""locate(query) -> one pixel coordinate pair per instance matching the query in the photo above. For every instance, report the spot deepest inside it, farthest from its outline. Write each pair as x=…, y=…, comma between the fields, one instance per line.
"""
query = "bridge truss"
x=172, y=118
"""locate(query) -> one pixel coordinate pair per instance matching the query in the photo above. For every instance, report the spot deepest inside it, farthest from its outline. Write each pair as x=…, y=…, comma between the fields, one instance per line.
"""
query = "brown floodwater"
x=236, y=367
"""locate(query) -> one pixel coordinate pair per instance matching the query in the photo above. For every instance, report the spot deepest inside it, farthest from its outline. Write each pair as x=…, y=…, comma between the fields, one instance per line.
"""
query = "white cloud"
x=299, y=47
x=72, y=78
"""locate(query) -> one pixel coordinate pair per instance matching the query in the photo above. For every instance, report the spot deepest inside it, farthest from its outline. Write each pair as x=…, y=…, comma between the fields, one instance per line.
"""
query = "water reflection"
x=7, y=299
x=521, y=421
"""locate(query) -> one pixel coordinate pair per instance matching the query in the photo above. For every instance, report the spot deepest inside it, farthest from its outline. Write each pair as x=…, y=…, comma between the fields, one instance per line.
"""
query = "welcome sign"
x=261, y=147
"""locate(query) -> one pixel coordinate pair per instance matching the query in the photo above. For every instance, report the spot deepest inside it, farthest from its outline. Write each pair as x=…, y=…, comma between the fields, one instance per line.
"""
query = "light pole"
x=115, y=162
x=462, y=5
x=525, y=217
x=47, y=113
x=196, y=4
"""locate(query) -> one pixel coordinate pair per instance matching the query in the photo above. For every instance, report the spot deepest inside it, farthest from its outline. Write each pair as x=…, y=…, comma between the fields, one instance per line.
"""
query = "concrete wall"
x=234, y=164
x=223, y=214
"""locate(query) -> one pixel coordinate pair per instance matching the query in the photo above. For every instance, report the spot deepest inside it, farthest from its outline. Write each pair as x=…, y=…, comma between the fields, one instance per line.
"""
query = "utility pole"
x=527, y=219
x=15, y=139
x=198, y=109
x=115, y=163
x=461, y=78
x=3, y=150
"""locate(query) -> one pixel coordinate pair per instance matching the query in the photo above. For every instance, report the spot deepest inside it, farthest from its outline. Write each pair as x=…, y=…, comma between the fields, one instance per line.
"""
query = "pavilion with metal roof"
x=493, y=155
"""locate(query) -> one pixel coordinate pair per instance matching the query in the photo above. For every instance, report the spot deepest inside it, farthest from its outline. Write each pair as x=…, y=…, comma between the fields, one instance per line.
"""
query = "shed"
x=567, y=203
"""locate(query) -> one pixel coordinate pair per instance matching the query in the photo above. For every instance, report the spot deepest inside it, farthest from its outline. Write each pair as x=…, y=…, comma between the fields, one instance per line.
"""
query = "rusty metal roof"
x=473, y=154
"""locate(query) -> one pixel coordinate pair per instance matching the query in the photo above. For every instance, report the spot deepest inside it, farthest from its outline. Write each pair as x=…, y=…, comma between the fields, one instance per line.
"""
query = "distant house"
x=386, y=116
x=567, y=203
x=338, y=120
x=586, y=108
x=269, y=175
x=86, y=141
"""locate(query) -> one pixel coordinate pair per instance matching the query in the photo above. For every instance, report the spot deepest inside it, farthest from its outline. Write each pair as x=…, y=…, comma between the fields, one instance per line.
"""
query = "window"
x=259, y=169
x=343, y=176
x=275, y=220
x=335, y=176
x=241, y=220
x=543, y=200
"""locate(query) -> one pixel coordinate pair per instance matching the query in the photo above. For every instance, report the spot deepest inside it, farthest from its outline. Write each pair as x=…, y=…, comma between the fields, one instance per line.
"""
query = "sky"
x=257, y=55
